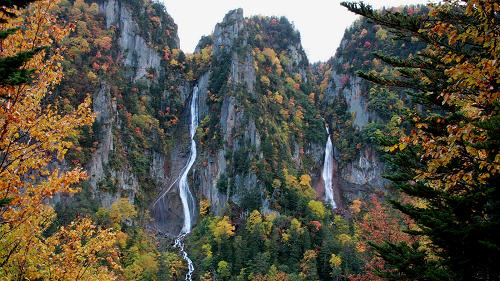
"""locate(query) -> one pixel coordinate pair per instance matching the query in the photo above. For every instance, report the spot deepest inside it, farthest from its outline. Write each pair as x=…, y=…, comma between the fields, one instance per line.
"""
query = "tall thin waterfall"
x=184, y=191
x=327, y=171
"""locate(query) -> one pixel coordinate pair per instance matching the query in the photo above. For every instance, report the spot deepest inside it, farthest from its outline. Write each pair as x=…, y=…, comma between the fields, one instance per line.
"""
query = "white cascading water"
x=184, y=191
x=327, y=171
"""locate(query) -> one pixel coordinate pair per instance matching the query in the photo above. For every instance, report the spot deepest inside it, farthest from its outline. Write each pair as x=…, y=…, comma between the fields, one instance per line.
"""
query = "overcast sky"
x=321, y=22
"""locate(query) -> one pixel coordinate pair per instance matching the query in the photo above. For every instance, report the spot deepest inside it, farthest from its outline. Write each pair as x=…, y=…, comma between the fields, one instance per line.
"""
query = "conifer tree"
x=449, y=157
x=11, y=70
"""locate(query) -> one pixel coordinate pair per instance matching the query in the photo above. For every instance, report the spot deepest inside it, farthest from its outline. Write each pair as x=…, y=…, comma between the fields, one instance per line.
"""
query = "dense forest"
x=95, y=108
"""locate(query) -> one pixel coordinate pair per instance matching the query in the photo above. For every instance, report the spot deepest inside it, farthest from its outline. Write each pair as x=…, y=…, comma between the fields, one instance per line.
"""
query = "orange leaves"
x=33, y=135
x=82, y=247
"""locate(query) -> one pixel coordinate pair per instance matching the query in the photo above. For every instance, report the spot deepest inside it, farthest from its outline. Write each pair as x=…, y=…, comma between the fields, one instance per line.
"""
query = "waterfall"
x=327, y=171
x=184, y=191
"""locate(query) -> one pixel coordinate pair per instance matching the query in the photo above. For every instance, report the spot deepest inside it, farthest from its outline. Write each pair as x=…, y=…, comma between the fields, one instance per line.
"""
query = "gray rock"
x=136, y=52
x=226, y=32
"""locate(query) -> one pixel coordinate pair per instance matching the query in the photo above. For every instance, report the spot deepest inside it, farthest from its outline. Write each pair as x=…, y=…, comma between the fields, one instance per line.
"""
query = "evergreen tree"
x=449, y=158
x=11, y=68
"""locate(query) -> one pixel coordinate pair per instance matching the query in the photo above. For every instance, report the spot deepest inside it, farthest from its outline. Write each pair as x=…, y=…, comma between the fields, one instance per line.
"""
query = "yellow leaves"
x=360, y=247
x=143, y=267
x=318, y=208
x=174, y=63
x=265, y=80
x=305, y=180
x=278, y=97
x=82, y=248
x=335, y=261
x=356, y=206
x=296, y=225
x=122, y=210
x=402, y=146
x=24, y=175
x=290, y=80
x=255, y=224
x=208, y=250
x=270, y=53
x=285, y=237
x=222, y=228
x=173, y=264
x=344, y=238
x=204, y=207
x=452, y=36
x=122, y=239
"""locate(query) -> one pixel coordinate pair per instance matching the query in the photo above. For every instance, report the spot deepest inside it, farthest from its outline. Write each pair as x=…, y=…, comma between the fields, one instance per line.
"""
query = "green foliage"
x=212, y=139
x=222, y=184
x=71, y=207
x=275, y=245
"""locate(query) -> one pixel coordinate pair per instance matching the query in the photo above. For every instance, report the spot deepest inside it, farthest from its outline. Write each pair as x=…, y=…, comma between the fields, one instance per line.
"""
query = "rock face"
x=136, y=51
x=366, y=170
x=243, y=72
x=361, y=177
x=139, y=57
x=98, y=169
x=350, y=87
x=226, y=33
x=241, y=135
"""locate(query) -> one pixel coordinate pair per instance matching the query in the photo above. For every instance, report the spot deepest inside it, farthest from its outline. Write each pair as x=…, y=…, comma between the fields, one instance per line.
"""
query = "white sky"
x=321, y=22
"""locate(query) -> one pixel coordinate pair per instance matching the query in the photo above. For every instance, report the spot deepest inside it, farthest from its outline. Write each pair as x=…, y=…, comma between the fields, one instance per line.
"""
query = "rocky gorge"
x=240, y=135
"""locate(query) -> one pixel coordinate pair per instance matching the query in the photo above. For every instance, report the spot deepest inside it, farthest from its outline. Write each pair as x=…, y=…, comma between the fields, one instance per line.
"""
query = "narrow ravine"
x=327, y=171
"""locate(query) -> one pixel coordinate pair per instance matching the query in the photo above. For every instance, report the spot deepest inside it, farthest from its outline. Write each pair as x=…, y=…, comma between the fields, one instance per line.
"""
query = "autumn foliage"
x=32, y=135
x=448, y=150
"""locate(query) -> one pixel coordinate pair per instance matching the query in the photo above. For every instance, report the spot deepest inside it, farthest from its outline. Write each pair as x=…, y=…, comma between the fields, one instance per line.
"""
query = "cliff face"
x=361, y=175
x=356, y=110
x=260, y=128
x=135, y=50
x=214, y=166
x=349, y=87
x=130, y=151
x=221, y=172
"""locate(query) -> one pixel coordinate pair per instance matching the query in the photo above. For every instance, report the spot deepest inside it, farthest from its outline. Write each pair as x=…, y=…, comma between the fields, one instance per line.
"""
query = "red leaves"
x=381, y=223
x=317, y=224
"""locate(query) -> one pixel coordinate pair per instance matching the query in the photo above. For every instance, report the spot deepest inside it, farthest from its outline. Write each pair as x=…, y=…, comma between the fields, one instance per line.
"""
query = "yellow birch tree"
x=32, y=135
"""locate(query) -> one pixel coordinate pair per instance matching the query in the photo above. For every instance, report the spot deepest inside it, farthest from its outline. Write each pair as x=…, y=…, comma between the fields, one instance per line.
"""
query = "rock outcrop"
x=230, y=29
x=136, y=51
x=241, y=135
